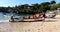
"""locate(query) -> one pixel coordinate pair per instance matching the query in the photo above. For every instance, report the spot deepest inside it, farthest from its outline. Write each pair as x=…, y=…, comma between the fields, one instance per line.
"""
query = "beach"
x=39, y=26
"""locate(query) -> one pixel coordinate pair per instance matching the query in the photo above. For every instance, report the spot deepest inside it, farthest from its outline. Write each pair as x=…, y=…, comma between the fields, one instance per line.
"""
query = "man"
x=12, y=18
x=44, y=16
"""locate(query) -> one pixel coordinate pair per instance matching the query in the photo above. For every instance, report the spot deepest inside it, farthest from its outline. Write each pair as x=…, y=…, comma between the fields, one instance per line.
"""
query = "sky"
x=11, y=3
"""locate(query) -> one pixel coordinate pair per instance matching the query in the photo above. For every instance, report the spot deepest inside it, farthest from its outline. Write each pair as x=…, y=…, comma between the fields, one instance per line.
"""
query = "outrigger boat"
x=33, y=18
x=36, y=17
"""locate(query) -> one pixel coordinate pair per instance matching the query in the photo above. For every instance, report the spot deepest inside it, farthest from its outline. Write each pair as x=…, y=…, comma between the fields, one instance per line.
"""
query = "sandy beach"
x=47, y=26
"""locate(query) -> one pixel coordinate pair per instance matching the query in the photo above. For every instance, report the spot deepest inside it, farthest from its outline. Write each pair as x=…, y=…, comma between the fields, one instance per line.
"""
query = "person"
x=34, y=17
x=28, y=17
x=44, y=16
x=12, y=18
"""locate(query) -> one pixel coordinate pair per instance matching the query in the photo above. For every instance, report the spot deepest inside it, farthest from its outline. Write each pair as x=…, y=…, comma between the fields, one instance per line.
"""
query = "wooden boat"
x=39, y=19
x=33, y=18
x=28, y=18
x=15, y=19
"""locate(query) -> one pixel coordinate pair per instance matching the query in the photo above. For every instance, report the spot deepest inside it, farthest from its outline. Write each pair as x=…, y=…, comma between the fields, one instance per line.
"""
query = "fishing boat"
x=36, y=17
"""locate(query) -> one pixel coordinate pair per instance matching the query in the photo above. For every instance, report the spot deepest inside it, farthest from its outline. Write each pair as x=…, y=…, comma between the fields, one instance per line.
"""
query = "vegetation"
x=31, y=9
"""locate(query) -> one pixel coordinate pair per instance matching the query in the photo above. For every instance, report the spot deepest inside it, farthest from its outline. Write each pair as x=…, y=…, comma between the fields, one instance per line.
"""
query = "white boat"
x=51, y=15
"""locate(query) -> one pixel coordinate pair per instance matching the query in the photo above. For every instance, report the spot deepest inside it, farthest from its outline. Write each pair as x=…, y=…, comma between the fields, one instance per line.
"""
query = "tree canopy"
x=31, y=9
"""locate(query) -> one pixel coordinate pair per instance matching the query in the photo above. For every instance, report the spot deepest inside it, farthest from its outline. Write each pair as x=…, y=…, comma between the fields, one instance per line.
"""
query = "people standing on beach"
x=12, y=18
x=44, y=16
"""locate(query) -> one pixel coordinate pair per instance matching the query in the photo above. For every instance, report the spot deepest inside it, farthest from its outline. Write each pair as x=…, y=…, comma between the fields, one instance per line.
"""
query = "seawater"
x=5, y=18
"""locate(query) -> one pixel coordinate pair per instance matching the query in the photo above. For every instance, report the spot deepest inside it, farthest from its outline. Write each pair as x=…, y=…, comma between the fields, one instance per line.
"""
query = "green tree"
x=36, y=7
x=45, y=6
x=53, y=2
x=54, y=7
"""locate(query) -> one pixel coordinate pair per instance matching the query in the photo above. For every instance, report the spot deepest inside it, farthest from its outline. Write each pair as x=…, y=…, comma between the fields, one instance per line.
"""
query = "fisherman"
x=44, y=16
x=12, y=18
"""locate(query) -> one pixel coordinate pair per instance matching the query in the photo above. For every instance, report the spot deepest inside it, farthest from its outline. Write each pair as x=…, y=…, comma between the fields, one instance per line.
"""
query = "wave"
x=4, y=20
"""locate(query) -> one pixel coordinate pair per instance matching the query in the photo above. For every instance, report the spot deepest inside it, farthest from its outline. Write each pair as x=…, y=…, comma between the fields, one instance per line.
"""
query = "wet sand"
x=47, y=26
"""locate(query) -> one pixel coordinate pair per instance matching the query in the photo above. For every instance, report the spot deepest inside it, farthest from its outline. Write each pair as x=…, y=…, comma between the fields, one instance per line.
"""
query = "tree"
x=36, y=7
x=58, y=5
x=53, y=2
x=45, y=6
x=54, y=7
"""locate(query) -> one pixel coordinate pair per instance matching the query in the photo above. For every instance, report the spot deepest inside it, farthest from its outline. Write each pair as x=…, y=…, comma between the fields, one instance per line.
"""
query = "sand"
x=47, y=26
